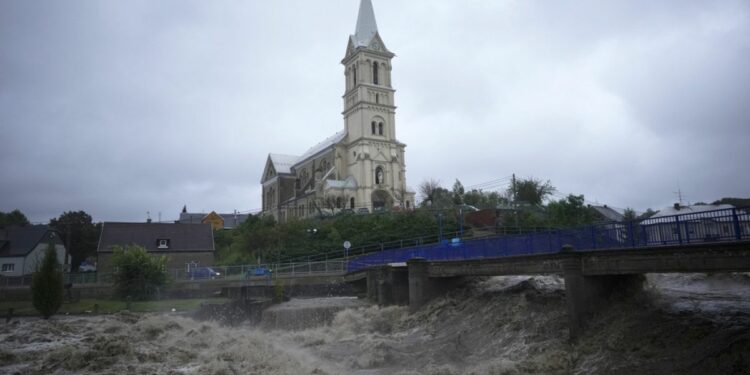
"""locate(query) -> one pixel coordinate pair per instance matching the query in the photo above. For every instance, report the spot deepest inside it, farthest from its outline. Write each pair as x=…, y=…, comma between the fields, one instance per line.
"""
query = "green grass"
x=107, y=306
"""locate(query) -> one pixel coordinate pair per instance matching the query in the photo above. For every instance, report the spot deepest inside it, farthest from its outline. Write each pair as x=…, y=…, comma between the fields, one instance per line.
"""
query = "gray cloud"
x=122, y=108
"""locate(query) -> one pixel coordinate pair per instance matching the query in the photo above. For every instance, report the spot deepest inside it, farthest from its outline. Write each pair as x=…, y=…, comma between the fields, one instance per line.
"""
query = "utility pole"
x=515, y=207
x=67, y=248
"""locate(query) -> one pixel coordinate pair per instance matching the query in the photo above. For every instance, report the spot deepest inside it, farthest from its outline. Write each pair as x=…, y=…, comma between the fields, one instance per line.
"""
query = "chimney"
x=677, y=206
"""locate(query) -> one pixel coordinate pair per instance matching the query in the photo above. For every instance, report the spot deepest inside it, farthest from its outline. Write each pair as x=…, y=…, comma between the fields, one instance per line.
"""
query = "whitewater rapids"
x=501, y=325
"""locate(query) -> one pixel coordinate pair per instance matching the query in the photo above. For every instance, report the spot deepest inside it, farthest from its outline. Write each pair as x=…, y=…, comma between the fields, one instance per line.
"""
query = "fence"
x=690, y=228
x=244, y=272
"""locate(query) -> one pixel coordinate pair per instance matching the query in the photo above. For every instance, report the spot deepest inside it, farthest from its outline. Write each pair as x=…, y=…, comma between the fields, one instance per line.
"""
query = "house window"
x=338, y=202
x=162, y=243
x=375, y=73
x=9, y=267
x=351, y=203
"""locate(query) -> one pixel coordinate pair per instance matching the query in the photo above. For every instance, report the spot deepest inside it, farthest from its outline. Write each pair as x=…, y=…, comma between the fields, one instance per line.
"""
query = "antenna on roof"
x=679, y=195
x=148, y=216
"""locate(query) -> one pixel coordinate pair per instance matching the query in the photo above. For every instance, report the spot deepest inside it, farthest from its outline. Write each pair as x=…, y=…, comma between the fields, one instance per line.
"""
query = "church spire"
x=366, y=25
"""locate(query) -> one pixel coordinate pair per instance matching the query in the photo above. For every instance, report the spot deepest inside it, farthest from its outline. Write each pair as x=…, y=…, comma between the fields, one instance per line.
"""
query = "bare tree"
x=427, y=190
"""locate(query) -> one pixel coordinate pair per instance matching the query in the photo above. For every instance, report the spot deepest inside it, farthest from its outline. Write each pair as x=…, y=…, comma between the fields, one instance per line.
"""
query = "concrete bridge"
x=591, y=277
x=595, y=261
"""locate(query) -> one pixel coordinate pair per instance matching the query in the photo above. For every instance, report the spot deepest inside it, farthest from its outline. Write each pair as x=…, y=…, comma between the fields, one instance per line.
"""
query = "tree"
x=569, y=212
x=481, y=199
x=79, y=233
x=649, y=212
x=47, y=284
x=458, y=193
x=138, y=274
x=427, y=190
x=629, y=214
x=530, y=190
x=15, y=217
x=737, y=202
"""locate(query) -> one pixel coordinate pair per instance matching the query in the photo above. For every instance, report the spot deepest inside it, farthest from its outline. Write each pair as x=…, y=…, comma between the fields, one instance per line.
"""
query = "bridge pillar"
x=388, y=285
x=423, y=288
x=420, y=287
x=373, y=276
x=587, y=295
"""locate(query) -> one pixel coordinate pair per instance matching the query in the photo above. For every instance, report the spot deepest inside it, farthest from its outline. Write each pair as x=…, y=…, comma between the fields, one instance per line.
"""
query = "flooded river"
x=502, y=325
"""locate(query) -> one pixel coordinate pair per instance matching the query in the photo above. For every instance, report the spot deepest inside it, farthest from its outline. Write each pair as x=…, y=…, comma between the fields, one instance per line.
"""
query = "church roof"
x=366, y=25
x=283, y=163
x=314, y=150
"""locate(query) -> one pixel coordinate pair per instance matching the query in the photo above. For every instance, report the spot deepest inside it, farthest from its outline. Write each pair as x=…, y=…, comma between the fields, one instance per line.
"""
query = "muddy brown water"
x=503, y=325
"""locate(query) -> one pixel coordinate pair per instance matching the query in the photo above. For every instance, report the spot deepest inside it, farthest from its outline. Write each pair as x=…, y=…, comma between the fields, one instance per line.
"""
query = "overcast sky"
x=123, y=107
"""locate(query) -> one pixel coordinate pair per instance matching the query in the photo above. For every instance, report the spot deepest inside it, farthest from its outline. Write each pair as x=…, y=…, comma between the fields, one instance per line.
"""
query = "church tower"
x=375, y=156
x=360, y=168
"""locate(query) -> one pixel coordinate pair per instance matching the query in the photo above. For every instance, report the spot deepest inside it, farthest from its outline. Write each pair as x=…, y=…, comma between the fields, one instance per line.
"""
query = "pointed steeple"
x=366, y=25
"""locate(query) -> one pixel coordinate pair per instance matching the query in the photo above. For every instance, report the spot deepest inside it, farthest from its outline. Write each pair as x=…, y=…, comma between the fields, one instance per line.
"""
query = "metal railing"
x=689, y=228
x=230, y=273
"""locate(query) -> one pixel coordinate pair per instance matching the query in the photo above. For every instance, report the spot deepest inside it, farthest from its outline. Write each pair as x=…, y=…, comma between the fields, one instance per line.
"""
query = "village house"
x=217, y=220
x=23, y=248
x=705, y=222
x=185, y=245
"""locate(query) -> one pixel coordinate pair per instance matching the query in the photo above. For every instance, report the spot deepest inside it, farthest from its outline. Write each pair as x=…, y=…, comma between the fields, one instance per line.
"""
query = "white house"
x=697, y=223
x=23, y=248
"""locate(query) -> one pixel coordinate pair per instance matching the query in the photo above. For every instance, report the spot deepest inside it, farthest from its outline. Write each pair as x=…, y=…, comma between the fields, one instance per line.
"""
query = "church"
x=360, y=168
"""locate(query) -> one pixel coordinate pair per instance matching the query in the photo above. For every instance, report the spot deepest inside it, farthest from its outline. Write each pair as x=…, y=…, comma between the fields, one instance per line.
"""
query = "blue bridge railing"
x=732, y=224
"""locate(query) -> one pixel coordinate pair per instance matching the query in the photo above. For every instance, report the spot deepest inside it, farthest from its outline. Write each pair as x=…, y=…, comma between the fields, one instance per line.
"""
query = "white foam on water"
x=499, y=325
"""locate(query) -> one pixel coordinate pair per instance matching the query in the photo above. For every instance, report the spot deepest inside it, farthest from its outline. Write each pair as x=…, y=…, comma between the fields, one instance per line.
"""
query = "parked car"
x=86, y=267
x=257, y=271
x=199, y=273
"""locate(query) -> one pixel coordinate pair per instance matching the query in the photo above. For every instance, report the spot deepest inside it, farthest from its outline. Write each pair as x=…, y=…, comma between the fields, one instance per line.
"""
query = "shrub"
x=138, y=274
x=47, y=284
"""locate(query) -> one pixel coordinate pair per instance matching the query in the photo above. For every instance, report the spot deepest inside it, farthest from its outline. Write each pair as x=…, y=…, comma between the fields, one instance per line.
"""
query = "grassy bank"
x=105, y=306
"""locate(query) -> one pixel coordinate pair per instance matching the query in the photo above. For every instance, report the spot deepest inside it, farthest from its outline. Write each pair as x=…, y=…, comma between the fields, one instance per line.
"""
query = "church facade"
x=360, y=168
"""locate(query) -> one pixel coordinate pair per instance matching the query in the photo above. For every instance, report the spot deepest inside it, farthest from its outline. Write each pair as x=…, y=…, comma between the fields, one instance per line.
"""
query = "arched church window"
x=351, y=203
x=380, y=128
x=377, y=98
x=373, y=127
x=379, y=176
x=354, y=74
x=375, y=73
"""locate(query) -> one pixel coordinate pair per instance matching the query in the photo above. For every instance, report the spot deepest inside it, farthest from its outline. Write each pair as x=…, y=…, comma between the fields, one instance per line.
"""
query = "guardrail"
x=243, y=272
x=689, y=228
